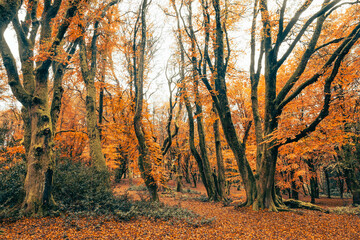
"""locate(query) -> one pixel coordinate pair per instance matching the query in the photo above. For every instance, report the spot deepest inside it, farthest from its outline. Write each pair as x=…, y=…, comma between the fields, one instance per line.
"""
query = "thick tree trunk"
x=88, y=74
x=266, y=196
x=31, y=89
x=97, y=157
x=27, y=128
x=38, y=140
x=238, y=149
x=40, y=164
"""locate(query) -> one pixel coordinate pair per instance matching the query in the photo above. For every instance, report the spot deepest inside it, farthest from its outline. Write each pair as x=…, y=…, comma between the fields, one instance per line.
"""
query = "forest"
x=175, y=119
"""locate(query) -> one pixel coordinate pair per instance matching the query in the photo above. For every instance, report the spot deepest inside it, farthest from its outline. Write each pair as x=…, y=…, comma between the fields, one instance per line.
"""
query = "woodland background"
x=255, y=103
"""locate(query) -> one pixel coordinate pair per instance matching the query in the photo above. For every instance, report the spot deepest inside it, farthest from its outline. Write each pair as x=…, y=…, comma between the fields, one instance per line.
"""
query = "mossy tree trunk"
x=88, y=70
x=31, y=89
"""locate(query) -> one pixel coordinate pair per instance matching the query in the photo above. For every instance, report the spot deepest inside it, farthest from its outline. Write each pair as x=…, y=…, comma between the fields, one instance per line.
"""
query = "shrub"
x=12, y=190
x=156, y=211
x=12, y=185
x=191, y=191
x=80, y=190
x=140, y=187
x=78, y=187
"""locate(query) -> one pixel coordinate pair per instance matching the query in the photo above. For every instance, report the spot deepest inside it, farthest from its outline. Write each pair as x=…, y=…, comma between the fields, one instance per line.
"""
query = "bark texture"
x=30, y=87
x=144, y=161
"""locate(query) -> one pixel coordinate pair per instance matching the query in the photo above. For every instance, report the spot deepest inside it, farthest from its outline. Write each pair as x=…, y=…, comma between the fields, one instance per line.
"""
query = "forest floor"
x=229, y=223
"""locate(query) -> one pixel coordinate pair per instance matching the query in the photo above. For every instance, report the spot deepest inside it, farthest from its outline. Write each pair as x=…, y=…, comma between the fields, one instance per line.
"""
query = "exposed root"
x=292, y=203
x=242, y=205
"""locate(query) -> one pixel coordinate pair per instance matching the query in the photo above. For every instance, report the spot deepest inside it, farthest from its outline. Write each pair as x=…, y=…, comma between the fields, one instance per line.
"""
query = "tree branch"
x=327, y=89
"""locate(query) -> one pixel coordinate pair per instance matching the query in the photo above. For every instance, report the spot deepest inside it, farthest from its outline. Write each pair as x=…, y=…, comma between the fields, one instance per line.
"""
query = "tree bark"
x=144, y=162
x=219, y=161
x=327, y=179
x=178, y=174
x=88, y=74
x=294, y=188
x=32, y=92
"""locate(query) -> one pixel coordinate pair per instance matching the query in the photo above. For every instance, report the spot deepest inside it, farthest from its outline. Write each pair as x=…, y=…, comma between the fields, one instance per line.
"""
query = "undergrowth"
x=346, y=210
x=80, y=191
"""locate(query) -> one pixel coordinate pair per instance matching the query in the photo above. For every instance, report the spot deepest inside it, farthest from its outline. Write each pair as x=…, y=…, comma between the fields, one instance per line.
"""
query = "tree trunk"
x=97, y=157
x=356, y=196
x=313, y=187
x=207, y=180
x=194, y=178
x=101, y=102
x=210, y=184
x=120, y=172
x=266, y=196
x=193, y=149
x=31, y=90
x=327, y=179
x=341, y=185
x=294, y=189
x=220, y=162
x=40, y=164
x=178, y=174
x=186, y=168
x=223, y=108
x=144, y=161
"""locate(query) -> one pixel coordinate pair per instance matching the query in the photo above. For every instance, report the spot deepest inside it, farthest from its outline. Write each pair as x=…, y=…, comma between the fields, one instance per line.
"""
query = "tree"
x=89, y=74
x=46, y=23
x=275, y=54
x=202, y=156
x=139, y=57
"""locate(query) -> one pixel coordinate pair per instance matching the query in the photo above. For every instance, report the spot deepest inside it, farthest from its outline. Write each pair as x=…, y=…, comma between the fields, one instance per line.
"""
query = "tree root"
x=292, y=203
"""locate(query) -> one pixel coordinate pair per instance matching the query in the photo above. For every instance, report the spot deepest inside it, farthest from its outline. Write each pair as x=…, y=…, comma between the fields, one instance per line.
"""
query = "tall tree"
x=202, y=156
x=144, y=160
x=89, y=74
x=218, y=66
x=275, y=54
x=44, y=28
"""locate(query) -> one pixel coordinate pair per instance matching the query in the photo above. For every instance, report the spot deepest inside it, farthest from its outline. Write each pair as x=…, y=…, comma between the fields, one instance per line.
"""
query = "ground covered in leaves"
x=227, y=222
